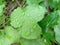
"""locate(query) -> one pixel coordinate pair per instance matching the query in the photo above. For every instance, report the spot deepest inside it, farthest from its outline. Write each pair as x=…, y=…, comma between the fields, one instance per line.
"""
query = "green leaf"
x=57, y=33
x=2, y=36
x=32, y=42
x=1, y=9
x=49, y=34
x=1, y=33
x=20, y=16
x=57, y=29
x=32, y=2
x=17, y=17
x=2, y=2
x=50, y=20
x=56, y=1
x=11, y=34
x=35, y=13
x=2, y=5
x=54, y=4
x=5, y=41
x=1, y=41
x=47, y=25
x=30, y=31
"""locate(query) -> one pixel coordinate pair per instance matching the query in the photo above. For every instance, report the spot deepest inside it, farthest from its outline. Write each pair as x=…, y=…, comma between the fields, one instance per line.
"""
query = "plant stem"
x=47, y=5
x=18, y=3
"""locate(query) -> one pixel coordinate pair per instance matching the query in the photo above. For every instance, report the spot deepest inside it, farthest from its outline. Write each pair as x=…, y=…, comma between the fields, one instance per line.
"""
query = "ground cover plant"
x=29, y=22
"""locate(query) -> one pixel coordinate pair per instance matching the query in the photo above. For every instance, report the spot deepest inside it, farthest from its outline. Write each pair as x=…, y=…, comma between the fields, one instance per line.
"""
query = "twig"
x=3, y=18
x=18, y=3
x=47, y=5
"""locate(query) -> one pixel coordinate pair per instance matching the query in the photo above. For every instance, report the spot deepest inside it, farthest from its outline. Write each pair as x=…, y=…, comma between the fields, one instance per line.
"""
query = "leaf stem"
x=47, y=5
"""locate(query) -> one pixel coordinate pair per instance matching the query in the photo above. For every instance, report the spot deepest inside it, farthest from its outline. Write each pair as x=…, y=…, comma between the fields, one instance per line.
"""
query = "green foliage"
x=1, y=20
x=8, y=36
x=17, y=17
x=11, y=33
x=30, y=24
x=32, y=42
x=1, y=9
x=2, y=5
x=20, y=15
x=57, y=29
x=33, y=31
x=47, y=24
x=30, y=2
x=57, y=33
x=54, y=4
x=32, y=12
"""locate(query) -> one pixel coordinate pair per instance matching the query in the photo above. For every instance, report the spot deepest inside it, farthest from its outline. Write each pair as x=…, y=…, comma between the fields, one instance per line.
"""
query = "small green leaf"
x=57, y=33
x=57, y=29
x=54, y=4
x=47, y=25
x=31, y=2
x=32, y=42
x=17, y=17
x=30, y=31
x=49, y=20
x=20, y=16
x=1, y=9
x=11, y=34
x=35, y=13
